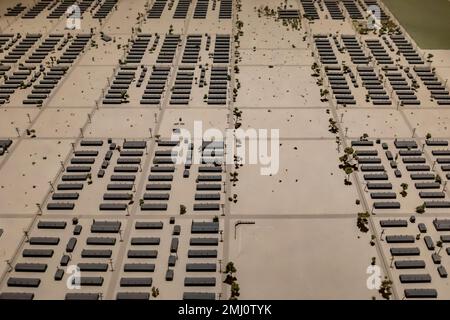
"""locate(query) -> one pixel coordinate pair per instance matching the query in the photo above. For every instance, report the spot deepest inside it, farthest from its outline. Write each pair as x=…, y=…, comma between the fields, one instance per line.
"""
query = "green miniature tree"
x=421, y=208
x=230, y=270
x=155, y=292
x=363, y=221
x=404, y=187
x=234, y=291
x=386, y=288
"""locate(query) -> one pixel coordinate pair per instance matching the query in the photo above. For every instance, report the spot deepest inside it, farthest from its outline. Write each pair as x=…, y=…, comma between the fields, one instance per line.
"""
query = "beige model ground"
x=302, y=242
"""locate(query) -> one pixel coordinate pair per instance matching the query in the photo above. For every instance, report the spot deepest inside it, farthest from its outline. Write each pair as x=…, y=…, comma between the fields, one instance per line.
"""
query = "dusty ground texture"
x=292, y=234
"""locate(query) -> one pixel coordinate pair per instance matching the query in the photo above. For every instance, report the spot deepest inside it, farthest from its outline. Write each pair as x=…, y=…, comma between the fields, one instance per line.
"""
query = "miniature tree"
x=155, y=292
x=362, y=221
x=348, y=163
x=386, y=288
x=372, y=240
x=421, y=208
x=364, y=137
x=234, y=291
x=404, y=188
x=234, y=178
x=348, y=171
x=89, y=178
x=438, y=179
x=333, y=128
x=230, y=270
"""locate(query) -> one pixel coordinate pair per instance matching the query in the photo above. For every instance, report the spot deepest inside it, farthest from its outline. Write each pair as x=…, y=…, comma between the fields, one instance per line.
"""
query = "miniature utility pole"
x=27, y=238
x=111, y=264
x=39, y=208
x=10, y=267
